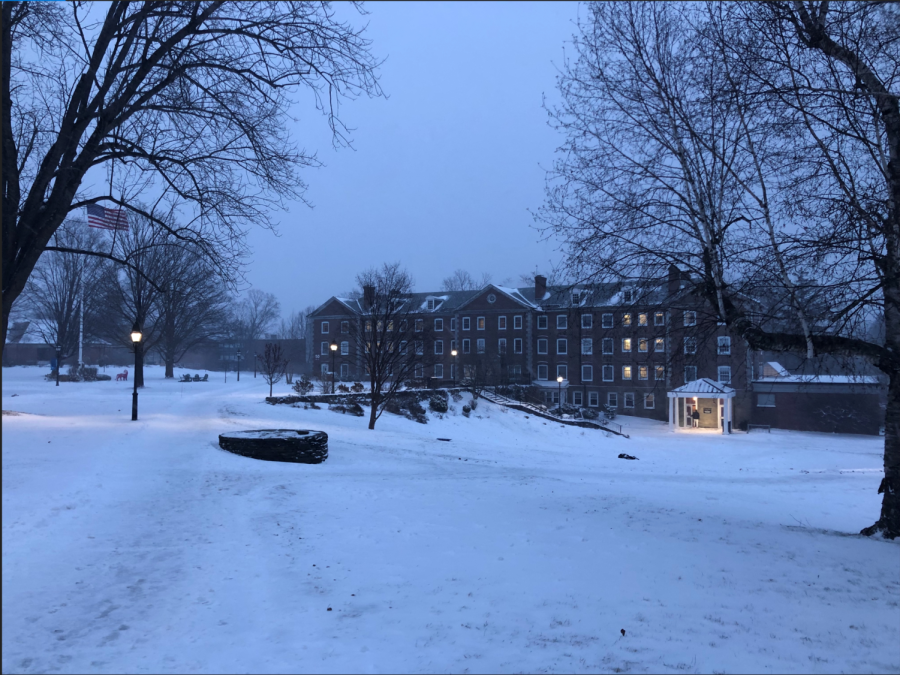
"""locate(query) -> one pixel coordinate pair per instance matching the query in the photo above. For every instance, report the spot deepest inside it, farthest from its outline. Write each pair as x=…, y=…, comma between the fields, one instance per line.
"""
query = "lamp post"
x=239, y=364
x=453, y=353
x=135, y=340
x=333, y=352
x=58, y=365
x=559, y=380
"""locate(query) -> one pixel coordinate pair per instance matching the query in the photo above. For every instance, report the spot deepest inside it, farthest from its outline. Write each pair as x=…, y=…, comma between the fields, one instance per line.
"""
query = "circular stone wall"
x=278, y=445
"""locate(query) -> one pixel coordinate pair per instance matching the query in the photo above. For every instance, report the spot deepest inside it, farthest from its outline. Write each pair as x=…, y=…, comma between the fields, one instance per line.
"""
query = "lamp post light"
x=135, y=340
x=334, y=347
x=453, y=353
x=239, y=364
x=559, y=380
x=58, y=365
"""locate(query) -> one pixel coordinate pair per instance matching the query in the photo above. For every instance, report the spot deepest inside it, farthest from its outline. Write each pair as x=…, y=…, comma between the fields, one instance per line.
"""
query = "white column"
x=672, y=413
x=729, y=410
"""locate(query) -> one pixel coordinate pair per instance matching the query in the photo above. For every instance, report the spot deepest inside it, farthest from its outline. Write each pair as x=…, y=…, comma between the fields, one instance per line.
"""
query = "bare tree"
x=272, y=364
x=461, y=280
x=255, y=314
x=391, y=341
x=190, y=98
x=53, y=295
x=294, y=327
x=701, y=135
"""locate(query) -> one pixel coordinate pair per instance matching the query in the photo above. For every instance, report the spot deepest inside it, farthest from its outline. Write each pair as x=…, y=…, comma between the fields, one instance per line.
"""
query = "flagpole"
x=81, y=322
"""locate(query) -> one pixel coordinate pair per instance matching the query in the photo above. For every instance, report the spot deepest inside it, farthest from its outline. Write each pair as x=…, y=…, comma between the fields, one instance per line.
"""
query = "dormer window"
x=628, y=295
x=431, y=303
x=576, y=298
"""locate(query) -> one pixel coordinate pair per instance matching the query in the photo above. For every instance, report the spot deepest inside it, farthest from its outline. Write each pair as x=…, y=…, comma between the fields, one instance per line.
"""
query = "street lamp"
x=58, y=365
x=453, y=353
x=239, y=364
x=559, y=380
x=333, y=352
x=135, y=340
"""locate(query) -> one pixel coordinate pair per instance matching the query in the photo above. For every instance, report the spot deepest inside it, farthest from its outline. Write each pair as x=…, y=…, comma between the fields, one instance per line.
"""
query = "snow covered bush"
x=303, y=386
x=438, y=403
x=466, y=410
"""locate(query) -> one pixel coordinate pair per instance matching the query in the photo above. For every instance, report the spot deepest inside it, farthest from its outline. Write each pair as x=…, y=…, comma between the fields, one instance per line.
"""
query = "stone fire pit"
x=278, y=445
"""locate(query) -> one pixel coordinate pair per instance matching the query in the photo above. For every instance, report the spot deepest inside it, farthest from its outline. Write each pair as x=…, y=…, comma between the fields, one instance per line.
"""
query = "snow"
x=822, y=379
x=521, y=545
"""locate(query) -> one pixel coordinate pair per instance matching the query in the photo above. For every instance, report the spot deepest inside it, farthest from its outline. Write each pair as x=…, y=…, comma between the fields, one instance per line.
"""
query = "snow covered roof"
x=822, y=379
x=702, y=387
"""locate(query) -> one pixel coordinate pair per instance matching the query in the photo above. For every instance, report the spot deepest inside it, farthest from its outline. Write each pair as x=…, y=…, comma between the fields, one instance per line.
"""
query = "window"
x=561, y=346
x=453, y=323
x=643, y=344
x=765, y=400
x=419, y=371
x=501, y=323
x=659, y=319
x=542, y=322
x=345, y=348
x=593, y=399
x=324, y=326
x=649, y=402
x=517, y=346
x=576, y=298
x=345, y=326
x=479, y=345
x=452, y=371
x=542, y=346
x=517, y=322
x=430, y=303
x=606, y=321
x=626, y=319
x=324, y=369
x=324, y=348
x=725, y=374
x=626, y=344
x=562, y=371
x=607, y=345
x=438, y=346
x=438, y=324
x=452, y=345
x=391, y=325
x=587, y=346
x=501, y=346
x=626, y=372
x=515, y=372
x=576, y=398
x=629, y=399
x=643, y=372
x=587, y=320
x=403, y=344
x=690, y=345
x=627, y=295
x=479, y=323
x=379, y=327
x=659, y=344
x=690, y=374
x=420, y=325
x=724, y=345
x=467, y=346
x=439, y=370
x=542, y=371
x=587, y=373
x=562, y=321
x=345, y=371
x=420, y=347
x=612, y=399
x=608, y=373
x=404, y=326
x=466, y=322
x=642, y=319
x=690, y=318
x=660, y=372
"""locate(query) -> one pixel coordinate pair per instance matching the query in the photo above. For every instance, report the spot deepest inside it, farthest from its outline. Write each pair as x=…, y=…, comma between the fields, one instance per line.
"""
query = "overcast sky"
x=443, y=173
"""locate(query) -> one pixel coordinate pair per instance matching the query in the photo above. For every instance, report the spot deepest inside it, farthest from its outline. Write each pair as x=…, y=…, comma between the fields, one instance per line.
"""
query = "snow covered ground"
x=521, y=545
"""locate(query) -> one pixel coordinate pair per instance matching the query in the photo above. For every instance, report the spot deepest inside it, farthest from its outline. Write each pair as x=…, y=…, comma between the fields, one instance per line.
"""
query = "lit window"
x=643, y=344
x=660, y=372
x=626, y=319
x=479, y=323
x=690, y=318
x=607, y=345
x=626, y=372
x=642, y=319
x=587, y=346
x=587, y=373
x=626, y=344
x=561, y=321
x=501, y=323
x=643, y=372
x=606, y=321
x=659, y=319
x=659, y=344
x=587, y=320
x=724, y=344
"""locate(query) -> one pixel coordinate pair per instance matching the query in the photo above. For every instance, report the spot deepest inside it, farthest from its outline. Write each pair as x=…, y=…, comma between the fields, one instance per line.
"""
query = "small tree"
x=304, y=385
x=272, y=364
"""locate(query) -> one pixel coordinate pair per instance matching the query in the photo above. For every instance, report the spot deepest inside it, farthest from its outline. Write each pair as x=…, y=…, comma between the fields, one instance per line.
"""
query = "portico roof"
x=703, y=387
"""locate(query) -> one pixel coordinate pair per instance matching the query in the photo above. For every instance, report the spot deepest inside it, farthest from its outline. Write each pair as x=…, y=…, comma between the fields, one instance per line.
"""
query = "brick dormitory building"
x=620, y=345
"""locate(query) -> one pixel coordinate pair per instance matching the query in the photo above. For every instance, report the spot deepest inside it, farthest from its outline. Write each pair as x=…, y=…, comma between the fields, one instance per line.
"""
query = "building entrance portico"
x=701, y=404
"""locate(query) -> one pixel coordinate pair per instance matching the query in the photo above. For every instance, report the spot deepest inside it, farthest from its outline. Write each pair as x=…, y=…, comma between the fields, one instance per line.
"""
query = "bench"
x=760, y=427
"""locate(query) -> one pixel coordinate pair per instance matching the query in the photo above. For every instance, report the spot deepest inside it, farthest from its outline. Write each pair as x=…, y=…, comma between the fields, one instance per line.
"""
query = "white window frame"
x=627, y=372
x=480, y=323
x=501, y=346
x=562, y=322
x=430, y=303
x=542, y=322
x=724, y=370
x=517, y=345
x=625, y=399
x=466, y=323
x=479, y=346
x=438, y=346
x=611, y=370
x=587, y=321
x=345, y=348
x=576, y=394
x=466, y=346
x=644, y=345
x=419, y=325
x=612, y=399
x=686, y=368
x=325, y=327
x=626, y=345
x=643, y=372
x=587, y=373
x=345, y=370
x=501, y=323
x=323, y=348
x=690, y=317
x=404, y=345
x=607, y=320
x=593, y=399
x=562, y=370
x=419, y=346
x=642, y=320
x=659, y=318
x=517, y=322
x=659, y=345
x=627, y=319
x=724, y=345
x=652, y=400
x=587, y=346
x=608, y=342
x=659, y=373
x=452, y=323
x=543, y=367
x=418, y=371
x=439, y=370
x=543, y=342
x=562, y=342
x=690, y=345
x=438, y=325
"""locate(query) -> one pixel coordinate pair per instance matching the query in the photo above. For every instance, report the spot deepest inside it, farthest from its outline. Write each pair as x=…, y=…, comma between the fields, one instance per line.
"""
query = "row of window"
x=607, y=372
x=562, y=322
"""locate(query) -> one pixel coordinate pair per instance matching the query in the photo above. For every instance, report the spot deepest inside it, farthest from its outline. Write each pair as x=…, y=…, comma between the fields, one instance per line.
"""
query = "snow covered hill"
x=519, y=545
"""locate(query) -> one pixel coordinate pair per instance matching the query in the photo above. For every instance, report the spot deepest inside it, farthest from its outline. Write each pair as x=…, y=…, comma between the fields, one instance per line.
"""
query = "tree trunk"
x=139, y=364
x=270, y=389
x=376, y=399
x=889, y=522
x=170, y=367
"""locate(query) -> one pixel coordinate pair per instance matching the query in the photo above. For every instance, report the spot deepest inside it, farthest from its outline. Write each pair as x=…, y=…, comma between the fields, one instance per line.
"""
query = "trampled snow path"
x=519, y=546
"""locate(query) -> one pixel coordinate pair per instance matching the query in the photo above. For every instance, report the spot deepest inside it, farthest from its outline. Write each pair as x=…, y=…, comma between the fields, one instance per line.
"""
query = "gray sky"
x=444, y=171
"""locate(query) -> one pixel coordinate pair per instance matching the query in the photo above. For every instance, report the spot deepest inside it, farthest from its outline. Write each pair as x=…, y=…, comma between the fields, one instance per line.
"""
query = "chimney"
x=540, y=287
x=368, y=296
x=675, y=276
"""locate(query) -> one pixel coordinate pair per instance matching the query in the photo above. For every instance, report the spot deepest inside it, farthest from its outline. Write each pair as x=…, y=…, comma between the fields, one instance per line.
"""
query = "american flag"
x=107, y=219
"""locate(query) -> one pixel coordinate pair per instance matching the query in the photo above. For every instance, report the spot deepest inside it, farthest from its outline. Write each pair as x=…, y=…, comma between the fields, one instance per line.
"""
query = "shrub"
x=466, y=410
x=457, y=397
x=473, y=404
x=438, y=403
x=348, y=408
x=343, y=388
x=609, y=412
x=357, y=387
x=102, y=378
x=589, y=413
x=303, y=386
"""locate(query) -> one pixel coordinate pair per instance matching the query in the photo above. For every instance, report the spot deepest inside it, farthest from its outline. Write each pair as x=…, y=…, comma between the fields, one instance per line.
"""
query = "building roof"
x=703, y=387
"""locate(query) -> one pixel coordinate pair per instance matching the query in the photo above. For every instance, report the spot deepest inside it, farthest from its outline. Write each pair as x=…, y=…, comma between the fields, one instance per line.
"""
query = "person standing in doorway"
x=695, y=418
